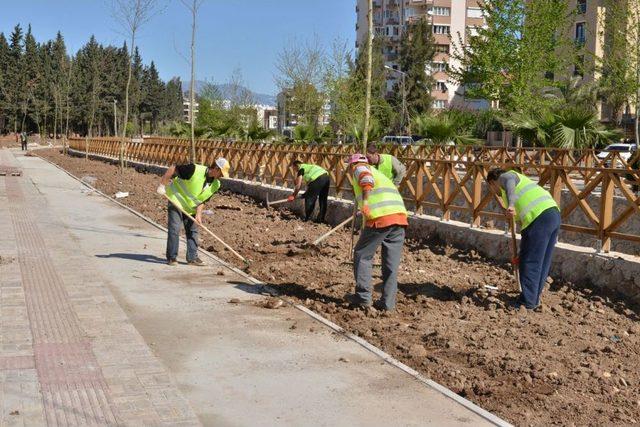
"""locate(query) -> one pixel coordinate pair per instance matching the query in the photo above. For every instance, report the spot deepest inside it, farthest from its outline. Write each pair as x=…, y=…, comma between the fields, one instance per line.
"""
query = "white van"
x=398, y=140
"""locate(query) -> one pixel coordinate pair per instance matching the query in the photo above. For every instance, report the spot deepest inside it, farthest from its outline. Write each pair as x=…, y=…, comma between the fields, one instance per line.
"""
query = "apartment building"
x=450, y=20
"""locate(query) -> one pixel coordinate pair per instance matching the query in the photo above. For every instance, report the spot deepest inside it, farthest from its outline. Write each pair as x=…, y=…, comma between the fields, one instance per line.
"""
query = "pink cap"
x=357, y=158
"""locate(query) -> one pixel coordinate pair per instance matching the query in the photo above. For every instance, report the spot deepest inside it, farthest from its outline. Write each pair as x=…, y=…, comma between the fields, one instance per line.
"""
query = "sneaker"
x=172, y=262
x=197, y=262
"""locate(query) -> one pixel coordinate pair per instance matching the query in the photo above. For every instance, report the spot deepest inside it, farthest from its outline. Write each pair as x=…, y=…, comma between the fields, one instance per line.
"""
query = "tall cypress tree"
x=416, y=53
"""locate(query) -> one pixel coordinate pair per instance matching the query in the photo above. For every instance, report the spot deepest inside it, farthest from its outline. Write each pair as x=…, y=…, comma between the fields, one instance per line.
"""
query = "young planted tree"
x=301, y=71
x=367, y=102
x=132, y=15
x=193, y=6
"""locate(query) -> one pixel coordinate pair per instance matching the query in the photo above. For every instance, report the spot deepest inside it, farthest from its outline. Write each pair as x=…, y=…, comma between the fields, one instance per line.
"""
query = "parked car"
x=399, y=140
x=625, y=151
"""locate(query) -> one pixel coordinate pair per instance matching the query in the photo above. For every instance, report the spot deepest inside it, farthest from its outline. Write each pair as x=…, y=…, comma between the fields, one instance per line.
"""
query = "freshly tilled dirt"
x=574, y=362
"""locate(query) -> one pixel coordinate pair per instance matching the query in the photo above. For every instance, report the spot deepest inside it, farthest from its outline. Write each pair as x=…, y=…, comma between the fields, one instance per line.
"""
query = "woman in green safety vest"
x=317, y=181
x=189, y=186
x=389, y=165
x=539, y=218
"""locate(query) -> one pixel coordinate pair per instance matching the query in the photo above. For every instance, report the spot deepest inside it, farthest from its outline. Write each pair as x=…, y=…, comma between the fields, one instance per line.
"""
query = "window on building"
x=472, y=31
x=441, y=11
x=442, y=48
x=582, y=6
x=440, y=104
x=441, y=29
x=441, y=86
x=474, y=12
x=439, y=67
x=581, y=35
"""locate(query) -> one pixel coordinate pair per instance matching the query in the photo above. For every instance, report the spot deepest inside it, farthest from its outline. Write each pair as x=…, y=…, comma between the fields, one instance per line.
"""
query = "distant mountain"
x=225, y=89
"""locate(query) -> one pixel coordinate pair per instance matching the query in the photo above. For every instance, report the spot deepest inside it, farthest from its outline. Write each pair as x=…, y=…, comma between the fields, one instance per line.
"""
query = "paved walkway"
x=96, y=329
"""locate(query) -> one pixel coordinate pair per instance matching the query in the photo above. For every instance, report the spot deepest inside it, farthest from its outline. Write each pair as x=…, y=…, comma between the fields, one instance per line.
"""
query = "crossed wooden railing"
x=596, y=196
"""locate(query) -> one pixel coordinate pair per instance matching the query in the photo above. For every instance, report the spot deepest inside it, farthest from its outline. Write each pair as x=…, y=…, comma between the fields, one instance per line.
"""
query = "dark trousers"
x=175, y=221
x=23, y=144
x=392, y=240
x=318, y=188
x=536, y=251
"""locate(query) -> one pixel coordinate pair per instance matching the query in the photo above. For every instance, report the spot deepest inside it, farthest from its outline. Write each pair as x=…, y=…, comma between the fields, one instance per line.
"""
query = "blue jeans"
x=175, y=221
x=536, y=251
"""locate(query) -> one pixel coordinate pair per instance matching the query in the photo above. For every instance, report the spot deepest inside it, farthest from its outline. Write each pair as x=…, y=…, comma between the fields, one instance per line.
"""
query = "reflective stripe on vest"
x=531, y=200
x=311, y=172
x=386, y=165
x=192, y=192
x=383, y=199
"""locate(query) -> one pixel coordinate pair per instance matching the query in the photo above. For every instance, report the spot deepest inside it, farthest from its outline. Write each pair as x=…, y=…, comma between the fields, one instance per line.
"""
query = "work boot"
x=172, y=262
x=197, y=262
x=356, y=303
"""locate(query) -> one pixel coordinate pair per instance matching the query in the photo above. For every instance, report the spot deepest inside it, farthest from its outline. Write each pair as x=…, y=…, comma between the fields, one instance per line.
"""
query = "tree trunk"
x=192, y=85
x=126, y=101
x=367, y=102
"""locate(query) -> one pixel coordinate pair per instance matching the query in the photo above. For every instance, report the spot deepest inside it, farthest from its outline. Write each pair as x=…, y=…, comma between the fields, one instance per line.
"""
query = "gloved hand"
x=161, y=190
x=515, y=261
x=291, y=198
x=366, y=211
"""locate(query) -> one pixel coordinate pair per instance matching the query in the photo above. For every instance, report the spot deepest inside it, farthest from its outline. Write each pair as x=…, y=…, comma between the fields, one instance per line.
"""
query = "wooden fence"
x=441, y=180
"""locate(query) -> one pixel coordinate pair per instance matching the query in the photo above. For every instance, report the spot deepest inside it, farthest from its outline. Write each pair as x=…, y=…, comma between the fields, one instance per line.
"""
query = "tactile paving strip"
x=73, y=387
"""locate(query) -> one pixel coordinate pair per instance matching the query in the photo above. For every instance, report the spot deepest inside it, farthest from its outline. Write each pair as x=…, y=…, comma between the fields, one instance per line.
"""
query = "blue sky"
x=245, y=34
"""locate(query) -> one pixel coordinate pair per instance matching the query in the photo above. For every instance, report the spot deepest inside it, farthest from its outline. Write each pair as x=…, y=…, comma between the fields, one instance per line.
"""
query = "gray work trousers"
x=392, y=240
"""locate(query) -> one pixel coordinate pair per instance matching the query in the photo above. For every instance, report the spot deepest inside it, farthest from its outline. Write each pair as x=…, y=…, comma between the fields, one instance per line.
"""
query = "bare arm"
x=198, y=215
x=167, y=175
x=298, y=186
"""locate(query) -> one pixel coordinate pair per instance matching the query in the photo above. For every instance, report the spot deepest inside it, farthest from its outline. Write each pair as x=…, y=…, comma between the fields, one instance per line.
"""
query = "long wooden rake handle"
x=333, y=230
x=222, y=242
x=514, y=252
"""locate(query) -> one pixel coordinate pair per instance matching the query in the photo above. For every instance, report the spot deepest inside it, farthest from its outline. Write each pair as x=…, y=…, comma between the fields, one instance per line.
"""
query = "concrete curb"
x=370, y=347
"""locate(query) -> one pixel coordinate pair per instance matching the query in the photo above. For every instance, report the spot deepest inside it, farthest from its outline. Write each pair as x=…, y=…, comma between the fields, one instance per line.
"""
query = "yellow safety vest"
x=192, y=192
x=531, y=200
x=386, y=165
x=384, y=198
x=311, y=172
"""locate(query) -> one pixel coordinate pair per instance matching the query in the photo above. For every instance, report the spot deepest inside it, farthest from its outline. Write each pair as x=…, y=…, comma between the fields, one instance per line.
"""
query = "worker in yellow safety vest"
x=389, y=165
x=189, y=186
x=539, y=218
x=385, y=221
x=318, y=183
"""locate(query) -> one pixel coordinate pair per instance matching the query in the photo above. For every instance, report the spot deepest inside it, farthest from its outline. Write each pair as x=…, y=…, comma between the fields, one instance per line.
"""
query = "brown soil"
x=572, y=363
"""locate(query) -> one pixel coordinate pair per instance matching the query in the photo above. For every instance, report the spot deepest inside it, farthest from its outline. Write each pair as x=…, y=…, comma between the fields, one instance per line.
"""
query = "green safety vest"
x=386, y=165
x=190, y=193
x=384, y=198
x=531, y=200
x=311, y=172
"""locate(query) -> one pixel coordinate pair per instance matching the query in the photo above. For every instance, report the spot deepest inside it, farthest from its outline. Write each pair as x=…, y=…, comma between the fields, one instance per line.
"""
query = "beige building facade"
x=452, y=20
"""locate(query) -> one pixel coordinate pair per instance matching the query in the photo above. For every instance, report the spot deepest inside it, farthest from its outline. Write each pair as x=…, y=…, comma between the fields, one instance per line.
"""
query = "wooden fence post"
x=606, y=211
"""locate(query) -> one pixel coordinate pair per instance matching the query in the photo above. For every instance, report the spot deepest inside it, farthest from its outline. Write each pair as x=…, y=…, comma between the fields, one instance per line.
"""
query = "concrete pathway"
x=96, y=329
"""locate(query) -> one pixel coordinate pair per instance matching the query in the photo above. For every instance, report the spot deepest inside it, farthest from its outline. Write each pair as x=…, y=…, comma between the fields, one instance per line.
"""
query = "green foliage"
x=445, y=128
x=518, y=54
x=41, y=84
x=416, y=53
x=567, y=127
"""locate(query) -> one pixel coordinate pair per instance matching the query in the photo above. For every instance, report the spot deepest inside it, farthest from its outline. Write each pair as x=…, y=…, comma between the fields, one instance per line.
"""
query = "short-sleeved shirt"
x=186, y=171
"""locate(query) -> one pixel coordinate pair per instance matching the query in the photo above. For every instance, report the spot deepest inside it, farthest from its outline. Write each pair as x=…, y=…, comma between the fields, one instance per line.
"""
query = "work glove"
x=161, y=190
x=515, y=261
x=366, y=212
x=291, y=198
x=510, y=212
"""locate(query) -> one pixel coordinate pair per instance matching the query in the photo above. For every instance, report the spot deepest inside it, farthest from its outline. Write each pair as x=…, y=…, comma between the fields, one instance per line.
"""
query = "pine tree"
x=15, y=77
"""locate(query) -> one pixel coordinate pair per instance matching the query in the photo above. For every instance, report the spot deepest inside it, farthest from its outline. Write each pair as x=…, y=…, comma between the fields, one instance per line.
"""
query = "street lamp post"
x=404, y=96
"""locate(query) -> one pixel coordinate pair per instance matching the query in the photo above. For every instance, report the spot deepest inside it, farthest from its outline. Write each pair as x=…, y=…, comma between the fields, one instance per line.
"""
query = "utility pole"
x=367, y=102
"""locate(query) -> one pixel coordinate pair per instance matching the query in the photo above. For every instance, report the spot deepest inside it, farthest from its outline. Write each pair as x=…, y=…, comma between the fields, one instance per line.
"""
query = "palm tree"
x=443, y=129
x=567, y=127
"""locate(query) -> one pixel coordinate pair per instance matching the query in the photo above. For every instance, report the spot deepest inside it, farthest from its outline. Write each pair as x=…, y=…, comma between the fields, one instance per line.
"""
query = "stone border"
x=338, y=329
